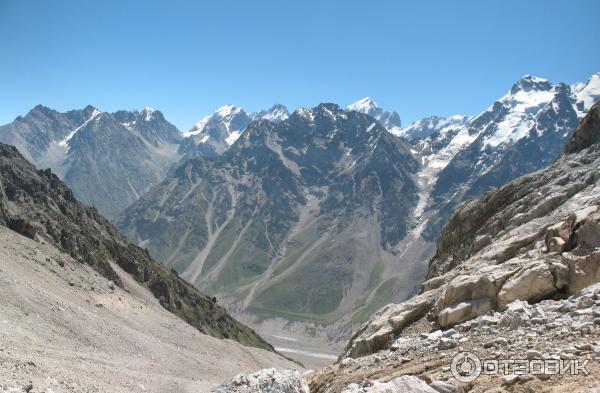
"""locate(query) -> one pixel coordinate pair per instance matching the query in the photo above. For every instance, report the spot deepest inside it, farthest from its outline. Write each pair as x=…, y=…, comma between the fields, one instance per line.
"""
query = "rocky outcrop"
x=405, y=383
x=587, y=134
x=535, y=238
x=267, y=380
x=387, y=322
x=40, y=206
x=547, y=331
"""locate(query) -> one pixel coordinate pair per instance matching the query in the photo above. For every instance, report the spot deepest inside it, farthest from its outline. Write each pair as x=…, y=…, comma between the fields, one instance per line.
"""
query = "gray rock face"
x=585, y=135
x=494, y=254
x=108, y=160
x=300, y=216
x=40, y=206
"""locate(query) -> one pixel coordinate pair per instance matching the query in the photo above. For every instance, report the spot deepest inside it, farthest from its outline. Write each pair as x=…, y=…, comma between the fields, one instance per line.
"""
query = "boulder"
x=584, y=270
x=463, y=311
x=588, y=234
x=534, y=282
x=447, y=343
x=403, y=384
x=381, y=328
x=444, y=387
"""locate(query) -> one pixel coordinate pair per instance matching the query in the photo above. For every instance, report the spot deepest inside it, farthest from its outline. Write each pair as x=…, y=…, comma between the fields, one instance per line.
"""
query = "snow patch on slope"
x=65, y=142
x=587, y=94
x=523, y=106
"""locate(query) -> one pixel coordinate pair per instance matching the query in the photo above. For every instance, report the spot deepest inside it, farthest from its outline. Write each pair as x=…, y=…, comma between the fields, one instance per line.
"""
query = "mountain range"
x=319, y=217
x=326, y=216
x=110, y=159
x=291, y=218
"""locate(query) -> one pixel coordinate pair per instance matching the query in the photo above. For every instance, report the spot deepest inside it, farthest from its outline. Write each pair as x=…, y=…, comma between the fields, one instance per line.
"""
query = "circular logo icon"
x=465, y=367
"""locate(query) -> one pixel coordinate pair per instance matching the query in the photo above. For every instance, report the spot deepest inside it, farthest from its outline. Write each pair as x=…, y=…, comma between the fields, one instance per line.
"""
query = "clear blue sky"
x=187, y=58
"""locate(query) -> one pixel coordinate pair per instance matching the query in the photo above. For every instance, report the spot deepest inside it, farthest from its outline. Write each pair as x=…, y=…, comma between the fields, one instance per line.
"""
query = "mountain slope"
x=40, y=206
x=68, y=329
x=298, y=219
x=108, y=160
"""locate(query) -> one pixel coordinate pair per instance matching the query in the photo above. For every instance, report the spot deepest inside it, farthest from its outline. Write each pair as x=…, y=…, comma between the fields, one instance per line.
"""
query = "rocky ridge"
x=214, y=134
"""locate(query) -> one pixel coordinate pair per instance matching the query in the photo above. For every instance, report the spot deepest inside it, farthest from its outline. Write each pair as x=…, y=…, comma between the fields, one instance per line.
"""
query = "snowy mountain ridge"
x=390, y=120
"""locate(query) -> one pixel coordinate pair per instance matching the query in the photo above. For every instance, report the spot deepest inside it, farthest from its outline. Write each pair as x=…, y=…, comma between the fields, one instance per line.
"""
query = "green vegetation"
x=316, y=288
x=376, y=275
x=382, y=296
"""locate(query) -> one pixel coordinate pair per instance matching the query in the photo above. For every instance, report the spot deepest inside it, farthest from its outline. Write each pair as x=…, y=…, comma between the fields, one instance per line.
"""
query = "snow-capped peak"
x=220, y=114
x=529, y=83
x=366, y=105
x=200, y=125
x=221, y=129
x=228, y=110
x=587, y=93
x=432, y=124
x=276, y=113
x=147, y=112
x=390, y=120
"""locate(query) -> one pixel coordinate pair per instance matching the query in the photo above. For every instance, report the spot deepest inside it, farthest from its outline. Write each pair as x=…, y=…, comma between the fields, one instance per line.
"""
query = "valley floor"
x=65, y=328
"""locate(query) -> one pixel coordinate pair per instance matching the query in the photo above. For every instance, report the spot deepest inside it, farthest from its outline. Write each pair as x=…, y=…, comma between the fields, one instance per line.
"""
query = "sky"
x=187, y=58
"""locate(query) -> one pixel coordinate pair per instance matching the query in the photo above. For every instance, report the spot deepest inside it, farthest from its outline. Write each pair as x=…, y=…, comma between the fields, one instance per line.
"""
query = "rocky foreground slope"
x=38, y=205
x=64, y=328
x=516, y=276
